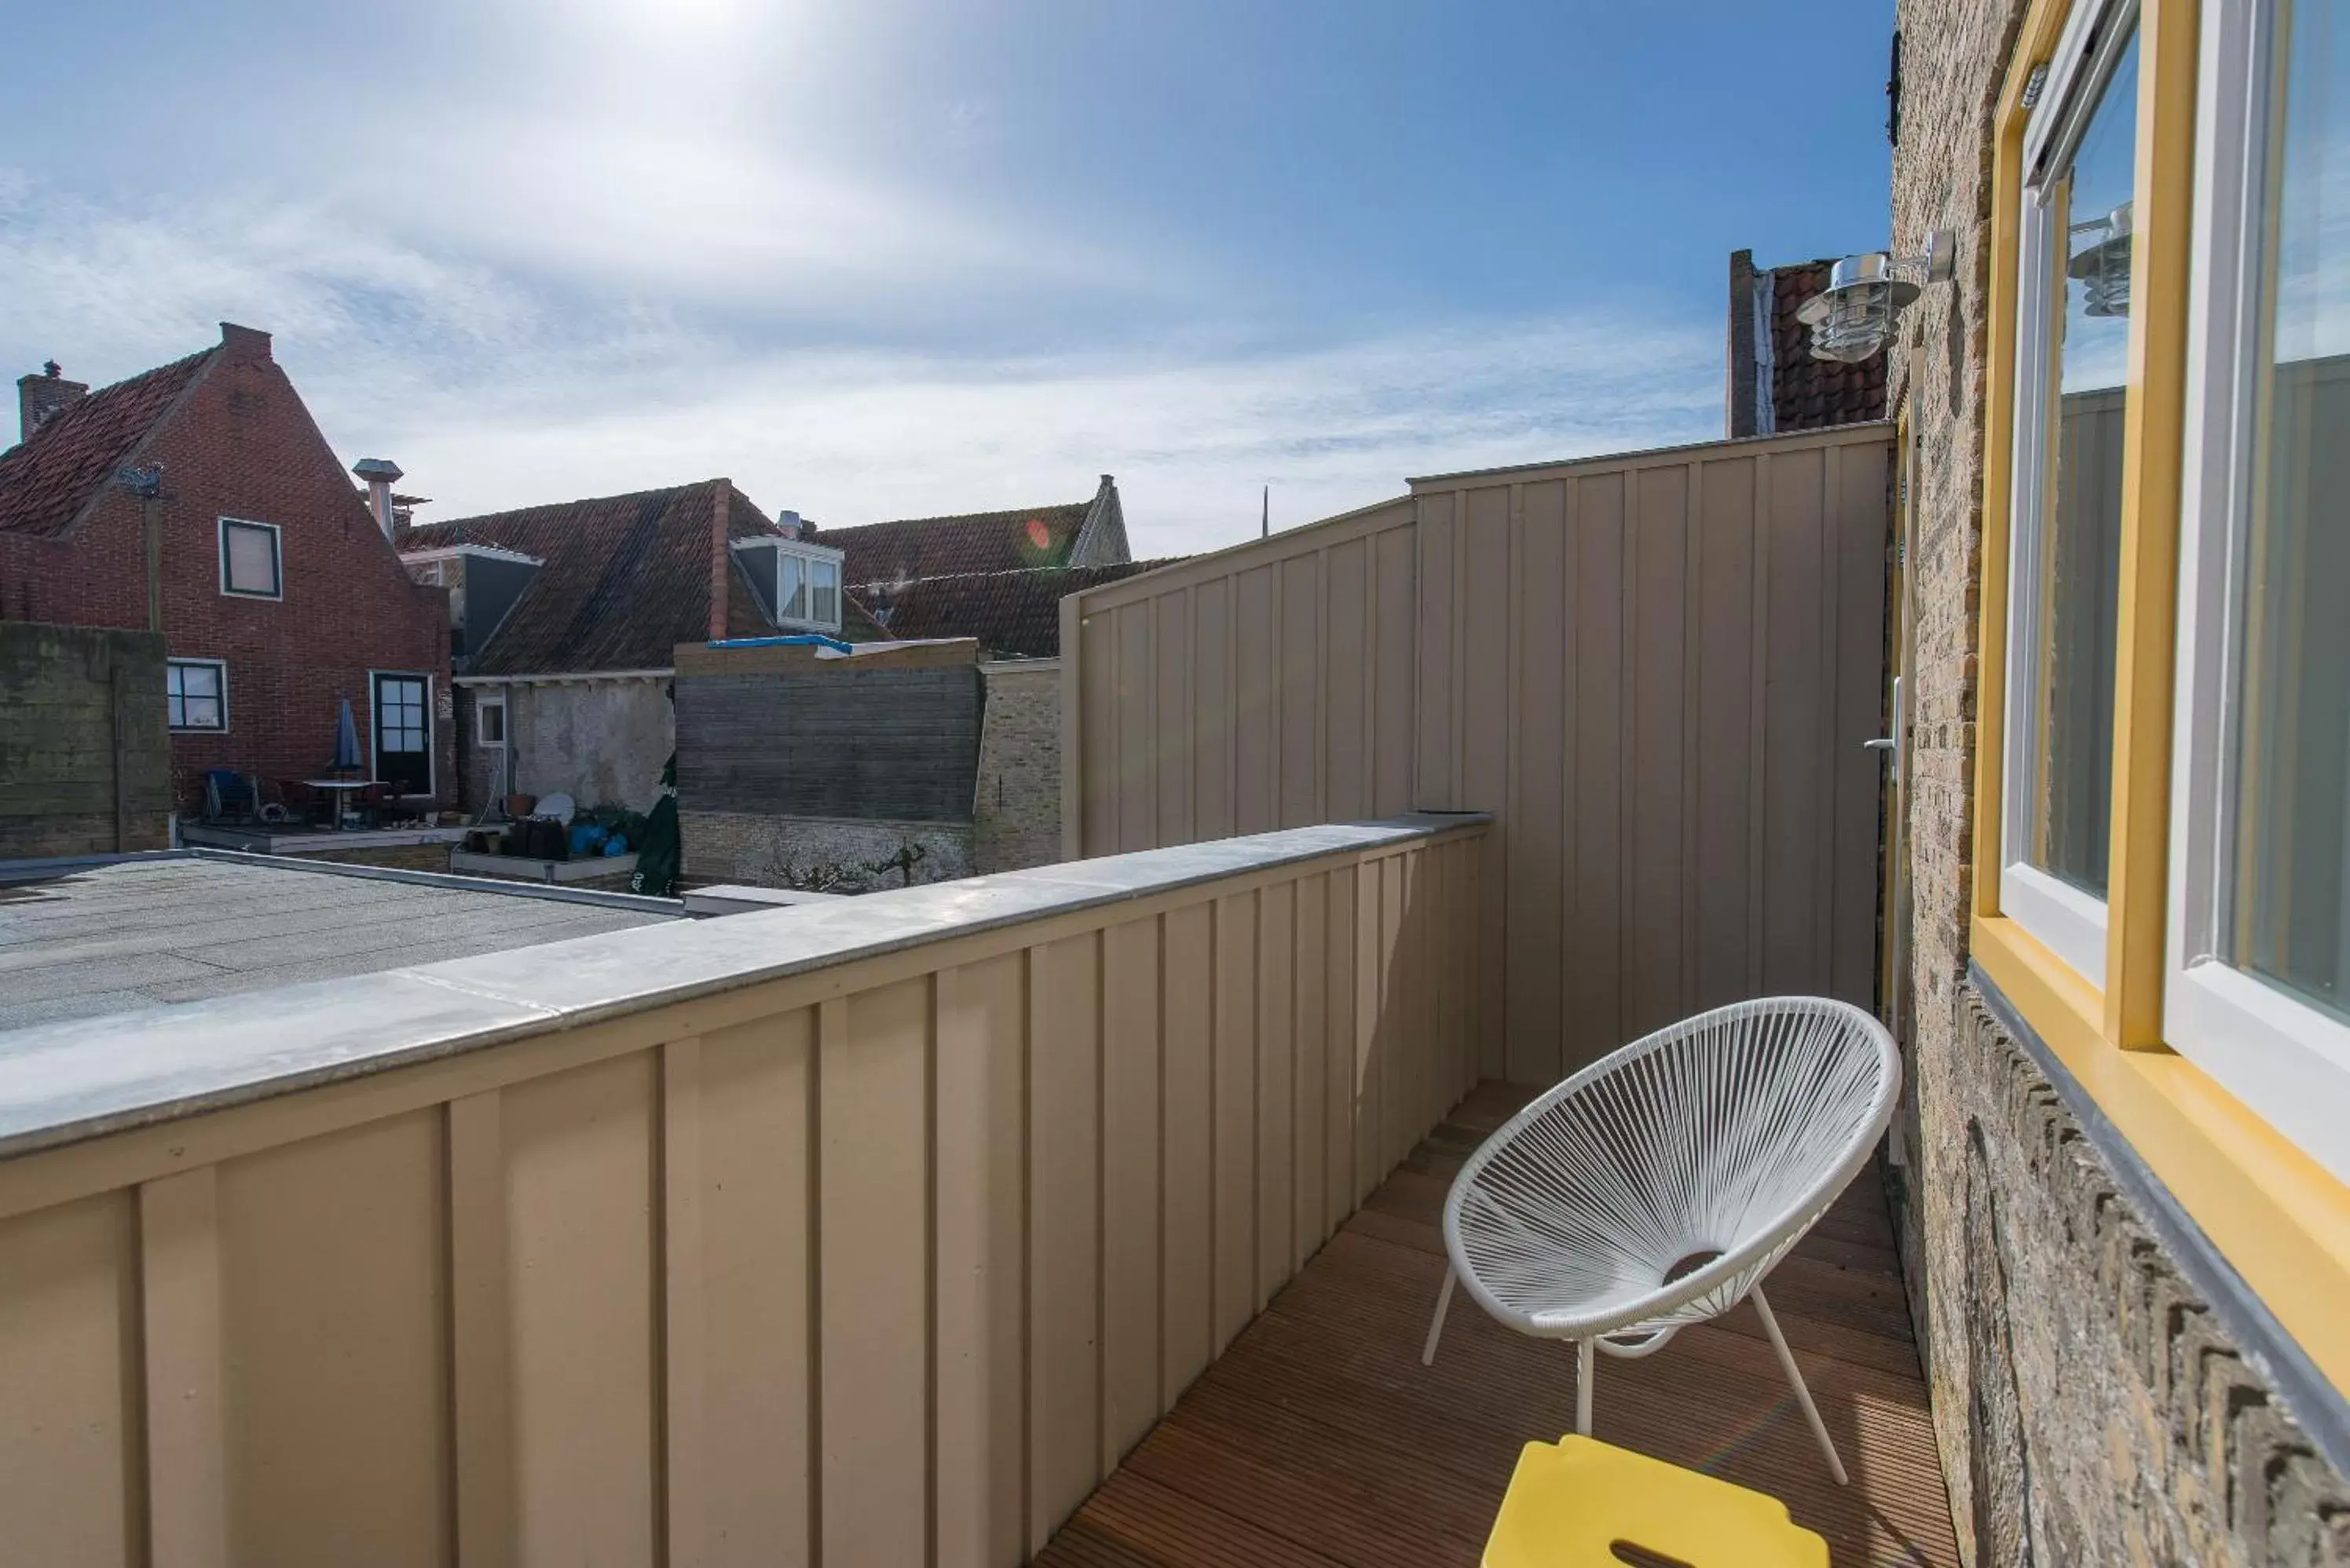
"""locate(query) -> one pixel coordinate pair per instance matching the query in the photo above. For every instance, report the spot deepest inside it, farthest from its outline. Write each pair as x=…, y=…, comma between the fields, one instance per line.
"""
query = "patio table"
x=344, y=785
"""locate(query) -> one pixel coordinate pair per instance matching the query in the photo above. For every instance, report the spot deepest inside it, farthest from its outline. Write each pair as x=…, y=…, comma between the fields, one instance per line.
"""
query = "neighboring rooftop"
x=1012, y=615
x=111, y=937
x=1773, y=384
x=1075, y=534
x=75, y=440
x=626, y=577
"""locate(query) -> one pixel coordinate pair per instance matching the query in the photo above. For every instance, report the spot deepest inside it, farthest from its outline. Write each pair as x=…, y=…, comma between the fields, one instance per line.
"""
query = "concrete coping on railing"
x=87, y=1077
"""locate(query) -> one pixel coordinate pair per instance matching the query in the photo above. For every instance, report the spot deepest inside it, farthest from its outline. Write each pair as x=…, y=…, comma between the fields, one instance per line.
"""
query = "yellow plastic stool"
x=1571, y=1502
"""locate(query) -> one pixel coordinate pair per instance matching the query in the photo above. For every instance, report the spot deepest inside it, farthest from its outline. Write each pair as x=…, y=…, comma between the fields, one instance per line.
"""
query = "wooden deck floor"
x=1319, y=1439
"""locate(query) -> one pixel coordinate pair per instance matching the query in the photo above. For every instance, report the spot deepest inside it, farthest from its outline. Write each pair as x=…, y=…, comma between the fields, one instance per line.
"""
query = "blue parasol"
x=346, y=739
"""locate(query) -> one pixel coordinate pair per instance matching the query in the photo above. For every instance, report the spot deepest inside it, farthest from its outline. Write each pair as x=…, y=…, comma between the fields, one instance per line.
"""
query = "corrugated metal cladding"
x=894, y=745
x=1657, y=671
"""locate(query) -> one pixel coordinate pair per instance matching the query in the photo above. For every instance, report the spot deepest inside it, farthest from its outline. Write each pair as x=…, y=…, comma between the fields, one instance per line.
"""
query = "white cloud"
x=493, y=387
x=854, y=438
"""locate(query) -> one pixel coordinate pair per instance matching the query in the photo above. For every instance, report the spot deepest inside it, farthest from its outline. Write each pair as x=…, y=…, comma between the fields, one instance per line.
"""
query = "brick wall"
x=2089, y=1407
x=808, y=851
x=241, y=444
x=1016, y=812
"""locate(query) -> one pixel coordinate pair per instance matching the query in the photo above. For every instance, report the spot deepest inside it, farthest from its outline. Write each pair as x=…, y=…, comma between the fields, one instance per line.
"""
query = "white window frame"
x=2288, y=1062
x=277, y=557
x=831, y=563
x=808, y=555
x=2069, y=921
x=220, y=668
x=481, y=706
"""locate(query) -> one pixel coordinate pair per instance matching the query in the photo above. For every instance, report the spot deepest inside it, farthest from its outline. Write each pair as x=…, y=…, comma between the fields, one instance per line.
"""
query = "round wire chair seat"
x=1657, y=1186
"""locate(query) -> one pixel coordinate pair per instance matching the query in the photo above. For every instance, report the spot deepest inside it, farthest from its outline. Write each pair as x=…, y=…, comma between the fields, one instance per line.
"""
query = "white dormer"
x=798, y=583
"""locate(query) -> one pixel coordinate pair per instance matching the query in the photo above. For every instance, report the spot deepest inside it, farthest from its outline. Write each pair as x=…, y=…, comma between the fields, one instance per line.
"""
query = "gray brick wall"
x=2089, y=1405
x=767, y=851
x=1017, y=812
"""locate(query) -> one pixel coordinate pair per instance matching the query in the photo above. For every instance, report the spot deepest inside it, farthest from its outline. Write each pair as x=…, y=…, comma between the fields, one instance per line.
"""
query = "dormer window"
x=799, y=584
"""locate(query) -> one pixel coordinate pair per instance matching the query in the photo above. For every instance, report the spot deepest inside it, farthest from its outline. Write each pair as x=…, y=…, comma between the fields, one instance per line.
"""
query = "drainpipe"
x=150, y=521
x=147, y=485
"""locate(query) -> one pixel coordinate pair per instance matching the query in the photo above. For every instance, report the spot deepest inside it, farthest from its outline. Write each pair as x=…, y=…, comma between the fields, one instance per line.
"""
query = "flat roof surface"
x=145, y=933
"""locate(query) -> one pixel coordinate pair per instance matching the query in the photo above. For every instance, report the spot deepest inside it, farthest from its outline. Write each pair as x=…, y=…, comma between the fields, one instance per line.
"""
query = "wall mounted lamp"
x=2101, y=266
x=1852, y=318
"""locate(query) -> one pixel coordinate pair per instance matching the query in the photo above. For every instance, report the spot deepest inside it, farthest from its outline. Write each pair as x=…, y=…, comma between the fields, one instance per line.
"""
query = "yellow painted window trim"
x=2278, y=1218
x=2146, y=611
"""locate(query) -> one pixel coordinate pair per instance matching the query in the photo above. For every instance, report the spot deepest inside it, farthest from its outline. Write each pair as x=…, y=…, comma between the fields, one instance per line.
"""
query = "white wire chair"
x=1657, y=1186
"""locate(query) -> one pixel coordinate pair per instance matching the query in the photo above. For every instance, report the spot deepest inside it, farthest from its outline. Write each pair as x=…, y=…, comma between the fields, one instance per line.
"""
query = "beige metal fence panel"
x=1656, y=670
x=885, y=1260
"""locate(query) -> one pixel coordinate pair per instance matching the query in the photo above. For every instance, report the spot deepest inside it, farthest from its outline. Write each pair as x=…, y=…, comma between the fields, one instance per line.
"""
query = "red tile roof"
x=1014, y=614
x=46, y=481
x=1808, y=394
x=627, y=578
x=901, y=552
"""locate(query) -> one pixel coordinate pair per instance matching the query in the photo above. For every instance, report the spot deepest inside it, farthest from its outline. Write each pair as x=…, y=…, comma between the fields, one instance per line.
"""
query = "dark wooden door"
x=403, y=732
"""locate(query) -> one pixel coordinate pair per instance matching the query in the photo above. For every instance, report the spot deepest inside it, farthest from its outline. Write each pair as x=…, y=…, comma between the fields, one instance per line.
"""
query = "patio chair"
x=231, y=797
x=1657, y=1186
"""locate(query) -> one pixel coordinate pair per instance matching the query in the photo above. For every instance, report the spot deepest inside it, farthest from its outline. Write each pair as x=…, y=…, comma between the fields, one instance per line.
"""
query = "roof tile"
x=627, y=578
x=1808, y=393
x=1014, y=614
x=46, y=481
x=898, y=553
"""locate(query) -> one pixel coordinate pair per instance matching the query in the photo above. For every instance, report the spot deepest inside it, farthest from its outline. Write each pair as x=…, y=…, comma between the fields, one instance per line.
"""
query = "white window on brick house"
x=195, y=694
x=490, y=721
x=2259, y=974
x=2072, y=398
x=250, y=564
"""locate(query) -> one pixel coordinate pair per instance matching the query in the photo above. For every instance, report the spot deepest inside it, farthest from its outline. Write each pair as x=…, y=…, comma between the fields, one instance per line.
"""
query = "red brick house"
x=278, y=591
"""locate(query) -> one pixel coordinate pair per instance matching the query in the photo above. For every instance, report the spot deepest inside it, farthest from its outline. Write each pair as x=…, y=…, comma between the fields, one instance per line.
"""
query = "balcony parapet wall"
x=870, y=1230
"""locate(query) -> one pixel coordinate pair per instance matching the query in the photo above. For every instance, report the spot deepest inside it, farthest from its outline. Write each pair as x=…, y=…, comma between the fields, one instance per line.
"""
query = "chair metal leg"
x=1436, y=1329
x=1585, y=1366
x=1802, y=1395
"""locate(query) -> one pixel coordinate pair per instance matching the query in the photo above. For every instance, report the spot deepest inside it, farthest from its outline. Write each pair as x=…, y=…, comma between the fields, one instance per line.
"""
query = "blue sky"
x=884, y=259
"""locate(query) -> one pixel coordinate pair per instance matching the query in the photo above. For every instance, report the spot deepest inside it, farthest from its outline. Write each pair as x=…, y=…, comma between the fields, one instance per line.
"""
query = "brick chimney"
x=244, y=342
x=719, y=531
x=38, y=397
x=379, y=472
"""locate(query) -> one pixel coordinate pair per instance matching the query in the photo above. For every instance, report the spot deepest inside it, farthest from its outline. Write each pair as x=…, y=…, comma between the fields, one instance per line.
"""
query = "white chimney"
x=379, y=472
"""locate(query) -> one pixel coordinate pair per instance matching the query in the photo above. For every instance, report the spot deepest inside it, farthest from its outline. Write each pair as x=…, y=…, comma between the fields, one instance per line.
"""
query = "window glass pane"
x=192, y=696
x=493, y=723
x=2087, y=215
x=252, y=556
x=2292, y=843
x=791, y=588
x=825, y=600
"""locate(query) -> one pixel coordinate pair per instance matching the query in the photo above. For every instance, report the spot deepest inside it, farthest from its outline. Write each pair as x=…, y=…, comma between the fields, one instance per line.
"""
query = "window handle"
x=1882, y=744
